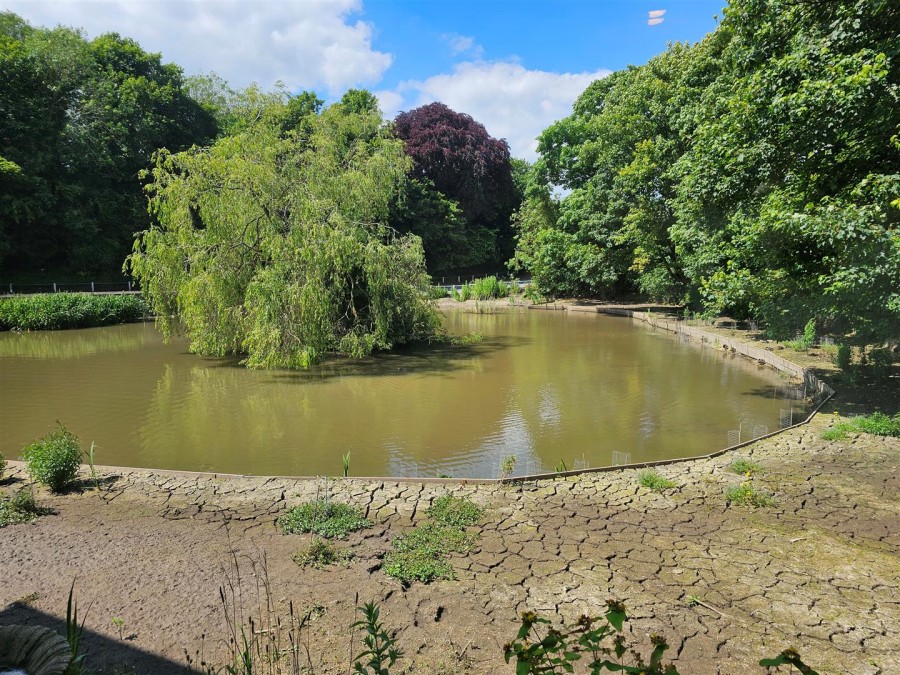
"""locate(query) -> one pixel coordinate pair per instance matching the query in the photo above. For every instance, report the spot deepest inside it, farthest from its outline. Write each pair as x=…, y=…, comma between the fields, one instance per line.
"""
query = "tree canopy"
x=78, y=120
x=463, y=193
x=272, y=242
x=756, y=173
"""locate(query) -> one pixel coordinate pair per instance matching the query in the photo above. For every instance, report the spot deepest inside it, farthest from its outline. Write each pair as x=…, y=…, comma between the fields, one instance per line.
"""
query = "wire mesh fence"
x=71, y=287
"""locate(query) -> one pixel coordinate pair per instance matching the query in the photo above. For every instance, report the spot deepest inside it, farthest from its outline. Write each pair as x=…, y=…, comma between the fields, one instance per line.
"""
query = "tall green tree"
x=272, y=242
x=81, y=119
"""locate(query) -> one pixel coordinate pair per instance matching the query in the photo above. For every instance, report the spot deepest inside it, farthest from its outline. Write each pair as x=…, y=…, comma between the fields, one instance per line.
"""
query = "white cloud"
x=308, y=44
x=390, y=103
x=511, y=101
x=654, y=22
x=463, y=44
x=655, y=17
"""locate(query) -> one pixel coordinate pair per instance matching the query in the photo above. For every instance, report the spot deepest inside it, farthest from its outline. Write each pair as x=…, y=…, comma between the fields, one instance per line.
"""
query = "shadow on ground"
x=119, y=657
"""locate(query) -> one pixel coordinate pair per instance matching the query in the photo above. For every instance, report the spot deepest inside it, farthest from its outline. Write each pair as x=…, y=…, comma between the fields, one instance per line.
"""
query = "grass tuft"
x=654, y=480
x=19, y=508
x=877, y=424
x=320, y=553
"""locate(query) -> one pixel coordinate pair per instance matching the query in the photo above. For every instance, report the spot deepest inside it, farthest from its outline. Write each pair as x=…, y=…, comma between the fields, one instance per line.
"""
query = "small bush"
x=58, y=311
x=746, y=494
x=333, y=520
x=456, y=511
x=54, y=459
x=437, y=293
x=843, y=357
x=320, y=553
x=654, y=480
x=744, y=467
x=19, y=508
x=2, y=464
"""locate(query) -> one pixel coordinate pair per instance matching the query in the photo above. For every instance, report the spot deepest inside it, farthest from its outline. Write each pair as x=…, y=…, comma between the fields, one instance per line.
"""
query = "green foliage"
x=507, y=466
x=381, y=650
x=744, y=467
x=19, y=508
x=843, y=357
x=80, y=119
x=877, y=424
x=747, y=494
x=437, y=293
x=422, y=553
x=272, y=243
x=58, y=311
x=345, y=461
x=540, y=648
x=74, y=633
x=755, y=173
x=333, y=520
x=561, y=467
x=455, y=511
x=54, y=459
x=2, y=464
x=654, y=480
x=320, y=554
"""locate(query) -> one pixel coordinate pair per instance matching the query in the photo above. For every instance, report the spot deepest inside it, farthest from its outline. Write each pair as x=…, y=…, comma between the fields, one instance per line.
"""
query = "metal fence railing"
x=75, y=287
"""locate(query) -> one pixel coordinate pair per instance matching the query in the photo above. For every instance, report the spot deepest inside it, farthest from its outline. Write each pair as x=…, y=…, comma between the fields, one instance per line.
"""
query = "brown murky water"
x=543, y=386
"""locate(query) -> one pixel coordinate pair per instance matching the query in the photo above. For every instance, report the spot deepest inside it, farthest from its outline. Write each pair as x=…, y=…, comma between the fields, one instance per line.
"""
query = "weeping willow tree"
x=271, y=243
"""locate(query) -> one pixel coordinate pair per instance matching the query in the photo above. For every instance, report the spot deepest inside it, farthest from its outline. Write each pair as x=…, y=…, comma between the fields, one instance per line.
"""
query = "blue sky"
x=514, y=65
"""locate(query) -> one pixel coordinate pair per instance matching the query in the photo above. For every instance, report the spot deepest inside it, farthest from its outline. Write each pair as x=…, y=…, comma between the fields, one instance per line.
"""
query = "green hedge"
x=57, y=311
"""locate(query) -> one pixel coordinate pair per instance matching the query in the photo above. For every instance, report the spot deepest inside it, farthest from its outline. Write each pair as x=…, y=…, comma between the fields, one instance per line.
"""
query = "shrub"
x=843, y=357
x=333, y=520
x=744, y=467
x=456, y=511
x=54, y=459
x=654, y=480
x=2, y=464
x=58, y=311
x=746, y=494
x=437, y=293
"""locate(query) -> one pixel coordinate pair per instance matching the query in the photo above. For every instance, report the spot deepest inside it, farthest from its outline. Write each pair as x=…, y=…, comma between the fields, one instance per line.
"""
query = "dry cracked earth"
x=726, y=585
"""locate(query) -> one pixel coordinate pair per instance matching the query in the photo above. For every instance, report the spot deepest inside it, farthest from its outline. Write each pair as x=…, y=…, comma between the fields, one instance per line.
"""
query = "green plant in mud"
x=744, y=467
x=654, y=480
x=74, y=633
x=2, y=464
x=507, y=466
x=345, y=461
x=54, y=459
x=422, y=554
x=380, y=649
x=329, y=519
x=877, y=424
x=540, y=648
x=19, y=508
x=455, y=511
x=320, y=553
x=747, y=494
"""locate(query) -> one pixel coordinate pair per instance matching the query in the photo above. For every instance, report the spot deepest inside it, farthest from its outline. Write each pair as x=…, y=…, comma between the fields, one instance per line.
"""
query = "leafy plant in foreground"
x=54, y=459
x=380, y=651
x=332, y=520
x=600, y=639
x=74, y=633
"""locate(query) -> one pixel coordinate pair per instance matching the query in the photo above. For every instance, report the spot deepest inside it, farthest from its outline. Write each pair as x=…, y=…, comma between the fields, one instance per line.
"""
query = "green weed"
x=19, y=508
x=744, y=467
x=332, y=520
x=877, y=424
x=54, y=459
x=455, y=511
x=381, y=650
x=747, y=494
x=654, y=480
x=319, y=554
x=421, y=554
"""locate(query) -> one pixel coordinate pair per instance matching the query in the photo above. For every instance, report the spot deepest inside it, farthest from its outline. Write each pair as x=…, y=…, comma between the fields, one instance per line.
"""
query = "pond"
x=546, y=387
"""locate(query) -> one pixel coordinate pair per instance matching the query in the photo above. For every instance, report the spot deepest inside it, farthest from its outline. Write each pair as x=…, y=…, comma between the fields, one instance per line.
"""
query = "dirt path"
x=820, y=571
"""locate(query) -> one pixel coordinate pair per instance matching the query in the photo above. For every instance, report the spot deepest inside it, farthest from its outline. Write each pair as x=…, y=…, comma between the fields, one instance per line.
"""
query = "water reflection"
x=543, y=386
